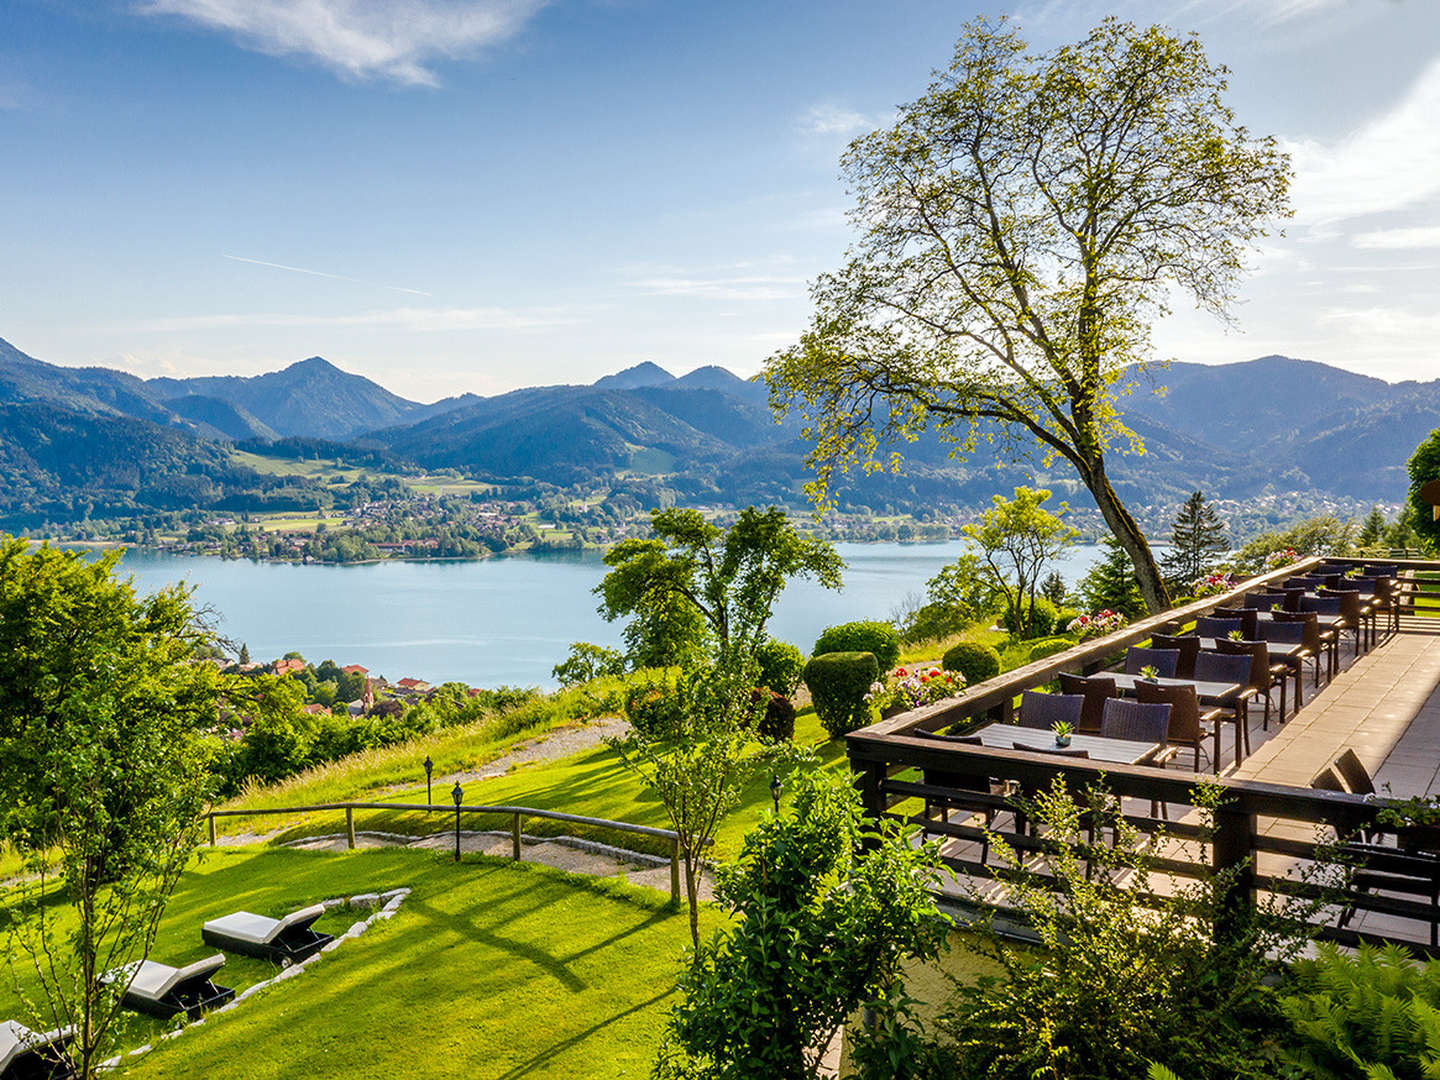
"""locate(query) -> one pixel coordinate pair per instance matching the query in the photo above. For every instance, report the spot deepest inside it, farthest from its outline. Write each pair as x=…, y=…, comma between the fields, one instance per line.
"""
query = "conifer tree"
x=244, y=653
x=1196, y=539
x=1111, y=583
x=1372, y=533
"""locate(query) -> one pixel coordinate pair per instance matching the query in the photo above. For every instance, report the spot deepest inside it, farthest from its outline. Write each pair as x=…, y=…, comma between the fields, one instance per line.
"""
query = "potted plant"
x=1150, y=673
x=1236, y=635
x=1063, y=732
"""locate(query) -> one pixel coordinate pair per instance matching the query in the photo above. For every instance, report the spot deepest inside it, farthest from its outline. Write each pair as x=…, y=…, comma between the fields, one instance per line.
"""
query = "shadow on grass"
x=525, y=1068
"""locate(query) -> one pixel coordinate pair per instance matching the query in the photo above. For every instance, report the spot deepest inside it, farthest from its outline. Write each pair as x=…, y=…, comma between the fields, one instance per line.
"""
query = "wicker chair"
x=1188, y=725
x=1139, y=722
x=1331, y=607
x=1264, y=676
x=1319, y=644
x=963, y=782
x=1096, y=689
x=1164, y=661
x=1187, y=645
x=1249, y=620
x=1044, y=711
x=1223, y=668
x=1217, y=628
x=1284, y=632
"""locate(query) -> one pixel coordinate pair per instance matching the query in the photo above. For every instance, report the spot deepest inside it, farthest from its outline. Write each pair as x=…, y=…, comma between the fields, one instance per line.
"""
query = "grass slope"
x=489, y=970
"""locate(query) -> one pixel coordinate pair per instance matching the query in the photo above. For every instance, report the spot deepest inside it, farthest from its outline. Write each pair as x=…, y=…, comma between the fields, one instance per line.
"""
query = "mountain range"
x=1233, y=430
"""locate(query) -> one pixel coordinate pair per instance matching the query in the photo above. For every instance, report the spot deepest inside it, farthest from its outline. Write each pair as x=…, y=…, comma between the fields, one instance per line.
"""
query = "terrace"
x=954, y=767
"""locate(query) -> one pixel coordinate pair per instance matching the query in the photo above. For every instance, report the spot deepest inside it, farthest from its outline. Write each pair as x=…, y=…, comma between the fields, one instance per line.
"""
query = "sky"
x=477, y=195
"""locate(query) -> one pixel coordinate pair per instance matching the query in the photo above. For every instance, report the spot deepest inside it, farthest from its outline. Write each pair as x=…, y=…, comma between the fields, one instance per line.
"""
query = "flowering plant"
x=1099, y=624
x=911, y=687
x=1213, y=584
x=1150, y=672
x=1276, y=559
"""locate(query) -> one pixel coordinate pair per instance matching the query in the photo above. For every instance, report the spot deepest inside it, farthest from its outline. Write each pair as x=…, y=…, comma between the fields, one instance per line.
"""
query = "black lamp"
x=429, y=768
x=775, y=789
x=457, y=793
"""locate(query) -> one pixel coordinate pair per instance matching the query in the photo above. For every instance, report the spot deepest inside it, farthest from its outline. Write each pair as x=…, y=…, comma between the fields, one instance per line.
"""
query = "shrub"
x=1063, y=618
x=1049, y=647
x=838, y=683
x=934, y=621
x=973, y=659
x=780, y=665
x=878, y=638
x=778, y=723
x=653, y=705
x=587, y=662
x=1042, y=620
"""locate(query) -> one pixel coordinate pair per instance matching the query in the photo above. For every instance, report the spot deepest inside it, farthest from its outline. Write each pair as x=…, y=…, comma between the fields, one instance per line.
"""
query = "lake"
x=503, y=620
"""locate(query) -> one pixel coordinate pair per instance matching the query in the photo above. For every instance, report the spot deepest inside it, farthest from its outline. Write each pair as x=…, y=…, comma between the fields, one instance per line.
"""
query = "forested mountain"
x=85, y=437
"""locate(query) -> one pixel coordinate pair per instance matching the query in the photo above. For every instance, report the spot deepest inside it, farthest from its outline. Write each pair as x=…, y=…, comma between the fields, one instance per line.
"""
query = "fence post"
x=1235, y=853
x=515, y=836
x=350, y=827
x=675, y=871
x=212, y=829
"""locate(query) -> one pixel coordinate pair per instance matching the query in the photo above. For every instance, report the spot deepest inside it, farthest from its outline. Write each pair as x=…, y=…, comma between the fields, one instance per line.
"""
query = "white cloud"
x=389, y=39
x=1421, y=236
x=1390, y=163
x=405, y=318
x=834, y=120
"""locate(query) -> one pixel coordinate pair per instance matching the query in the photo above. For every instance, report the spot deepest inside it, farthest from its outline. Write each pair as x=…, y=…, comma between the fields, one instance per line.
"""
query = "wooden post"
x=350, y=827
x=515, y=836
x=675, y=871
x=1235, y=852
x=212, y=829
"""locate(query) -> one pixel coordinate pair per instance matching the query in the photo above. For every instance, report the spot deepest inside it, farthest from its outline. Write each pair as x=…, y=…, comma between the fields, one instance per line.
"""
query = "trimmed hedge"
x=1049, y=647
x=780, y=665
x=878, y=638
x=838, y=683
x=973, y=659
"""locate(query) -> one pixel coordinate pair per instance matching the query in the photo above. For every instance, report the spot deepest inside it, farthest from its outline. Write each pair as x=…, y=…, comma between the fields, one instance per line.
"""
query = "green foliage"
x=1049, y=647
x=780, y=665
x=973, y=659
x=1423, y=467
x=963, y=585
x=1040, y=620
x=778, y=723
x=1052, y=588
x=931, y=622
x=728, y=580
x=1197, y=539
x=826, y=912
x=101, y=773
x=653, y=704
x=1372, y=532
x=1016, y=538
x=587, y=662
x=1110, y=583
x=838, y=683
x=879, y=638
x=1110, y=989
x=1368, y=1015
x=1322, y=535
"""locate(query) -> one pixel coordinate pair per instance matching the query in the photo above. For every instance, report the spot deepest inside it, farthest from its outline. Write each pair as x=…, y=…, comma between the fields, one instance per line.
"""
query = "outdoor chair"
x=975, y=791
x=1164, y=661
x=1352, y=770
x=1249, y=619
x=1186, y=645
x=1330, y=607
x=1264, y=676
x=286, y=940
x=1377, y=868
x=34, y=1055
x=1284, y=632
x=164, y=991
x=1319, y=644
x=1327, y=779
x=1222, y=668
x=1189, y=726
x=1355, y=612
x=1262, y=601
x=1216, y=628
x=1044, y=711
x=1096, y=689
x=1140, y=722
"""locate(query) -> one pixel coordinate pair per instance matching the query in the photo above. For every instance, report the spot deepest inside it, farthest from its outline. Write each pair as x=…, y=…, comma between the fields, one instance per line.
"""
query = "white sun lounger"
x=32, y=1055
x=290, y=938
x=165, y=991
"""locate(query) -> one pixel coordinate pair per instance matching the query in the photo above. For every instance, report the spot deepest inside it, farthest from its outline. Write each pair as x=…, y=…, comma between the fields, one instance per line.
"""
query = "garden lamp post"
x=457, y=793
x=429, y=768
x=775, y=789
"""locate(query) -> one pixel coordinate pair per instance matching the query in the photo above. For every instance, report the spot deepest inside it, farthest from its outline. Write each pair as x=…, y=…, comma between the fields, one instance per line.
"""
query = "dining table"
x=1098, y=747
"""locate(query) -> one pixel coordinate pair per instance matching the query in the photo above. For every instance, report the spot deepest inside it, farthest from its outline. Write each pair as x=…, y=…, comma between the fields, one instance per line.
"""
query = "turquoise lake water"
x=495, y=621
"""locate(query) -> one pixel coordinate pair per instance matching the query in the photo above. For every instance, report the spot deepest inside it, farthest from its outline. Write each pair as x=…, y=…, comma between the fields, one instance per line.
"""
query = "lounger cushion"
x=154, y=981
x=16, y=1040
x=258, y=929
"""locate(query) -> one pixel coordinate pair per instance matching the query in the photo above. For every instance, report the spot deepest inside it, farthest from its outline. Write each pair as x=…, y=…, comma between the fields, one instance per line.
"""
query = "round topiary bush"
x=778, y=723
x=973, y=659
x=780, y=665
x=838, y=683
x=1049, y=647
x=1042, y=621
x=878, y=638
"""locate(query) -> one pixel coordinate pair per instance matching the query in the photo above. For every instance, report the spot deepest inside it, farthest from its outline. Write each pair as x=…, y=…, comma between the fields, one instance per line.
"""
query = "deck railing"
x=1261, y=832
x=517, y=815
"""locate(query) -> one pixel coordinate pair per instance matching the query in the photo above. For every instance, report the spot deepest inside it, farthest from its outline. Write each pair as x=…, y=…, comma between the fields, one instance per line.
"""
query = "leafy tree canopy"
x=1015, y=540
x=1424, y=467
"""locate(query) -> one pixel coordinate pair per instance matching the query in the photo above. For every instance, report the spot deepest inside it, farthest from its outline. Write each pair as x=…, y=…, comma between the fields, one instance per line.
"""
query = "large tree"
x=1424, y=468
x=1023, y=223
x=1197, y=539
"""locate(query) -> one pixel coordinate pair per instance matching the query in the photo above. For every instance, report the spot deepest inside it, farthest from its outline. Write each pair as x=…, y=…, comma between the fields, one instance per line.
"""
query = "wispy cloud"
x=1421, y=236
x=405, y=318
x=1390, y=163
x=833, y=120
x=324, y=274
x=387, y=39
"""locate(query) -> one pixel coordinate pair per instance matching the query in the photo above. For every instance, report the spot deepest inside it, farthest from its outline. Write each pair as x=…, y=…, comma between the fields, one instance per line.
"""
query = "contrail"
x=322, y=273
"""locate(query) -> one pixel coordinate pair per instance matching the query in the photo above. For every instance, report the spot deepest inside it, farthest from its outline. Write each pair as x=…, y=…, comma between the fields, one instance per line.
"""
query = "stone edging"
x=386, y=904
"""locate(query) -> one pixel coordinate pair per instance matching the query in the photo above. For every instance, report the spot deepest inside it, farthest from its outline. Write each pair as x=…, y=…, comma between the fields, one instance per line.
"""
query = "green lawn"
x=490, y=969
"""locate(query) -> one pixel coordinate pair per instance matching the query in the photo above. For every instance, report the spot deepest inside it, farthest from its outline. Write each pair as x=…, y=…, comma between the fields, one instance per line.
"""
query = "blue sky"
x=451, y=195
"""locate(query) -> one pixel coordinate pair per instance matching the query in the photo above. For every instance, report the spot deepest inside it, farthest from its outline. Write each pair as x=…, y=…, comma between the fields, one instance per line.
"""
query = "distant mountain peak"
x=644, y=374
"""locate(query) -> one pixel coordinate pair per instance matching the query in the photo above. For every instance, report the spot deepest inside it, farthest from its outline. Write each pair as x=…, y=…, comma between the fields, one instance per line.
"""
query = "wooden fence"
x=517, y=815
x=949, y=788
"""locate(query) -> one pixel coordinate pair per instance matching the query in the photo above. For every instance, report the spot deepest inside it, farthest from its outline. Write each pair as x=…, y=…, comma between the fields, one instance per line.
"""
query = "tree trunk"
x=1127, y=532
x=692, y=890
